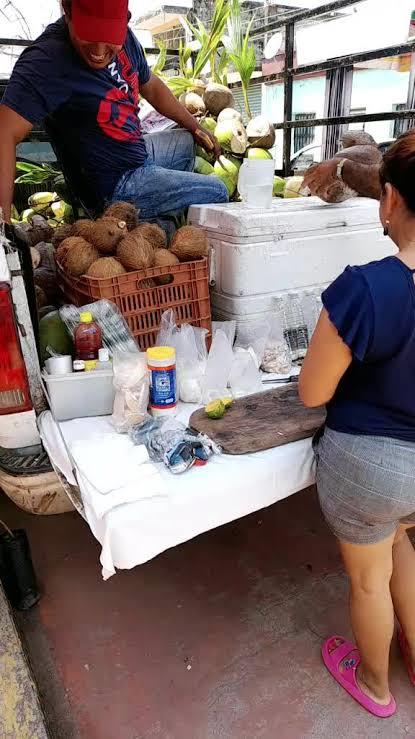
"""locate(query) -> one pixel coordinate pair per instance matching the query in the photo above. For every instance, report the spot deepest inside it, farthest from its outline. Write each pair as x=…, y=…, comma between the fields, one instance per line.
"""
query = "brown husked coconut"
x=35, y=257
x=46, y=279
x=62, y=232
x=123, y=212
x=79, y=258
x=105, y=267
x=63, y=248
x=135, y=252
x=107, y=233
x=152, y=233
x=41, y=297
x=164, y=258
x=217, y=98
x=193, y=103
x=190, y=242
x=83, y=228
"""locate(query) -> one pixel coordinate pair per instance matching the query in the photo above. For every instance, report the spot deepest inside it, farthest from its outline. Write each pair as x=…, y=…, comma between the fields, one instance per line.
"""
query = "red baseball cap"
x=102, y=21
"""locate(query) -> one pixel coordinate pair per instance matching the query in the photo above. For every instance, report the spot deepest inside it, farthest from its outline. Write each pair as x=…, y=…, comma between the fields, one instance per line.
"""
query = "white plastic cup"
x=256, y=182
x=59, y=365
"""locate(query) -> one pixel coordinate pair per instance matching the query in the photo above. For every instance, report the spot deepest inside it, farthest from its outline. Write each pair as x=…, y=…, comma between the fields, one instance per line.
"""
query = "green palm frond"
x=239, y=48
x=160, y=62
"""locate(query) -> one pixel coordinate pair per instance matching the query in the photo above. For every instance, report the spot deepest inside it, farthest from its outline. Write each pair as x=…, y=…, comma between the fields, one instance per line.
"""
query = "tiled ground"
x=218, y=638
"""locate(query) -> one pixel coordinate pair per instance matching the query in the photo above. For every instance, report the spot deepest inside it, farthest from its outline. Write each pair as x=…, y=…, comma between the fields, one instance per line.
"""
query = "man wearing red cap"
x=85, y=74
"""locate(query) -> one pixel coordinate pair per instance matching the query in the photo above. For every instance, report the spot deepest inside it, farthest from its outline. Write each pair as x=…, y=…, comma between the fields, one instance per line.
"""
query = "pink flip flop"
x=406, y=657
x=342, y=659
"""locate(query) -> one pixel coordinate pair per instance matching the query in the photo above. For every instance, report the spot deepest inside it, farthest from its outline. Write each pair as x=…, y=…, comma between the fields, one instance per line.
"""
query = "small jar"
x=161, y=362
x=78, y=365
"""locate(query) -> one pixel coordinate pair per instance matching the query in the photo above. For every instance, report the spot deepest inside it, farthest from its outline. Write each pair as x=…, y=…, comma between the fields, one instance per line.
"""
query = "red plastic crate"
x=142, y=307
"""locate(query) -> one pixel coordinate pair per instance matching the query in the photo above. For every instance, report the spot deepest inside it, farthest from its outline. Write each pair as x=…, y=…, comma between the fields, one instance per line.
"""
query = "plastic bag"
x=172, y=443
x=116, y=335
x=254, y=334
x=131, y=382
x=218, y=368
x=244, y=376
x=277, y=354
x=228, y=328
x=191, y=355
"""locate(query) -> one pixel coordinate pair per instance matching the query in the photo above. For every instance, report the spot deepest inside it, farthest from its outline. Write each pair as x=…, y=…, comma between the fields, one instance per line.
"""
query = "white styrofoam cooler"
x=80, y=394
x=297, y=244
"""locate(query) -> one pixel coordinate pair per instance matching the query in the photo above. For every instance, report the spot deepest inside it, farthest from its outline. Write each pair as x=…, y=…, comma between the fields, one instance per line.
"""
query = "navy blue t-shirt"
x=373, y=310
x=94, y=111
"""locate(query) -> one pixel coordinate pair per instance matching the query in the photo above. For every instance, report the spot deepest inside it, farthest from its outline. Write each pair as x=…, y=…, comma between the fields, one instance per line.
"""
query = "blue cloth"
x=95, y=111
x=373, y=310
x=166, y=183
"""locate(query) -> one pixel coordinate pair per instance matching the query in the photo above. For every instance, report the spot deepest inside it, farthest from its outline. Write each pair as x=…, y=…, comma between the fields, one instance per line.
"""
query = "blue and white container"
x=161, y=362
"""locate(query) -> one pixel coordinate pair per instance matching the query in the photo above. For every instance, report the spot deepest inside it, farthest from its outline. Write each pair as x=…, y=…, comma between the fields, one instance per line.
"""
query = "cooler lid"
x=286, y=217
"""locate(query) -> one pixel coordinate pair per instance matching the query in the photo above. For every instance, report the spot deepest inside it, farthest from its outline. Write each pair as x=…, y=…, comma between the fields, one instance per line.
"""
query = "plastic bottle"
x=161, y=361
x=88, y=340
x=104, y=362
x=297, y=332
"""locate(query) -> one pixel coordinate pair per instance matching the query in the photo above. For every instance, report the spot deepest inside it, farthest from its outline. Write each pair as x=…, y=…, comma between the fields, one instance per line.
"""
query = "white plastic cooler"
x=299, y=244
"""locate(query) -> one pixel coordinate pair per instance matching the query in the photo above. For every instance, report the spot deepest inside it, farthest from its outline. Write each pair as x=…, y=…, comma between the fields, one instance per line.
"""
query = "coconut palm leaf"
x=160, y=62
x=240, y=50
x=209, y=40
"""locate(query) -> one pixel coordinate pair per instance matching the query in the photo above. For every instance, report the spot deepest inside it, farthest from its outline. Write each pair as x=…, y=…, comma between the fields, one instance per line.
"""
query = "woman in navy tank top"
x=361, y=364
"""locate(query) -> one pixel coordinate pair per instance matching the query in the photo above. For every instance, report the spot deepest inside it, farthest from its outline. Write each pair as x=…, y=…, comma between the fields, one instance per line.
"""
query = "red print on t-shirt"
x=118, y=111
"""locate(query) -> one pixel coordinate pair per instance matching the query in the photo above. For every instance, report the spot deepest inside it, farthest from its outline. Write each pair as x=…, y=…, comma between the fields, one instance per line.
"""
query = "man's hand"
x=320, y=176
x=207, y=141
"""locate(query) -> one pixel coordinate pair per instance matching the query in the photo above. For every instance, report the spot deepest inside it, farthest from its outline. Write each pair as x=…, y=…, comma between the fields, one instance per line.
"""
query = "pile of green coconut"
x=216, y=112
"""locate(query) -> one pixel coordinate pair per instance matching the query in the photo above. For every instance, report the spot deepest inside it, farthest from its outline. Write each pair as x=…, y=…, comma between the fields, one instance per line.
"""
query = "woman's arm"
x=326, y=362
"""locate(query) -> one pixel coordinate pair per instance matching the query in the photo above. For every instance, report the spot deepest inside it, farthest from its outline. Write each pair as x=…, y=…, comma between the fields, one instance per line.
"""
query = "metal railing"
x=288, y=22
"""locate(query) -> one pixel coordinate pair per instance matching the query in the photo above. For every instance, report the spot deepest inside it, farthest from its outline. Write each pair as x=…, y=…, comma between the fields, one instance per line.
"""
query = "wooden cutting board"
x=261, y=421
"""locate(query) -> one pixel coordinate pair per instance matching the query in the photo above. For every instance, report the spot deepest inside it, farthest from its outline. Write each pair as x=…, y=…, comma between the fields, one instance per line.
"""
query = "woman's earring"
x=386, y=229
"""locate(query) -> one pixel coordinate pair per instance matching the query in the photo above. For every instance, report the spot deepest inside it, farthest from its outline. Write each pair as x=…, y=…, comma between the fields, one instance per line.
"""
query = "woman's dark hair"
x=398, y=168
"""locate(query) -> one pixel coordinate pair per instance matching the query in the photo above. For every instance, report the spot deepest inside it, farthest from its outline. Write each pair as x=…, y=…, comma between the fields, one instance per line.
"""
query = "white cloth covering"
x=227, y=488
x=110, y=469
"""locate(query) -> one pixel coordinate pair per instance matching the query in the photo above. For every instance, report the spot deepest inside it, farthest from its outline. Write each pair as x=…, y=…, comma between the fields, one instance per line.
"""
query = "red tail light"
x=14, y=386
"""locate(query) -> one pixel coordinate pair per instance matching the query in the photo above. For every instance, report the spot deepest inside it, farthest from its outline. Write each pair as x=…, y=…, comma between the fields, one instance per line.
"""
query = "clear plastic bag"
x=218, y=368
x=228, y=328
x=254, y=334
x=116, y=335
x=191, y=355
x=131, y=382
x=244, y=376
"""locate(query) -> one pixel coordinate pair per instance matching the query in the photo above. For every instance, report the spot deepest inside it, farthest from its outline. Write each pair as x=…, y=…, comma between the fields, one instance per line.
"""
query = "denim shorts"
x=366, y=485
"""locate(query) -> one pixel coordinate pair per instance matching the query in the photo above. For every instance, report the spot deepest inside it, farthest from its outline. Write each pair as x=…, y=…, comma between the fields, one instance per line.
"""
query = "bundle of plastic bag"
x=131, y=382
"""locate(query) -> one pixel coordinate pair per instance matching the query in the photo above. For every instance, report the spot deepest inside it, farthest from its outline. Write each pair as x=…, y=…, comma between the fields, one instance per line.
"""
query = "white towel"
x=108, y=461
x=102, y=458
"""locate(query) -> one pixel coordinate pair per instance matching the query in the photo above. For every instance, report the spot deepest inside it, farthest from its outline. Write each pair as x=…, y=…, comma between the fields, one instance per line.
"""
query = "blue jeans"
x=166, y=183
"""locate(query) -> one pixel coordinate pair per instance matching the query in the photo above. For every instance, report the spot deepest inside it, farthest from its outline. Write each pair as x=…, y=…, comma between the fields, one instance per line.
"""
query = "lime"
x=216, y=409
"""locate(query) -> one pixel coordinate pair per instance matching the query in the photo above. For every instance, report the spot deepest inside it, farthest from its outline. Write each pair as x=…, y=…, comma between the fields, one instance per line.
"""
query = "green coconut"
x=229, y=114
x=256, y=153
x=261, y=132
x=202, y=166
x=200, y=152
x=279, y=187
x=227, y=165
x=227, y=169
x=209, y=124
x=232, y=136
x=293, y=186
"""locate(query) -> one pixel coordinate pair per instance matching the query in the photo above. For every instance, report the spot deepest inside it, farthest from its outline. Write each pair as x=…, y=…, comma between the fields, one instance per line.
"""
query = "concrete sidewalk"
x=21, y=716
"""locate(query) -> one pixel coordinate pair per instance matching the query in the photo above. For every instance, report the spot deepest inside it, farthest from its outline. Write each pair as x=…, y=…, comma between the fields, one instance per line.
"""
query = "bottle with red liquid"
x=88, y=340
